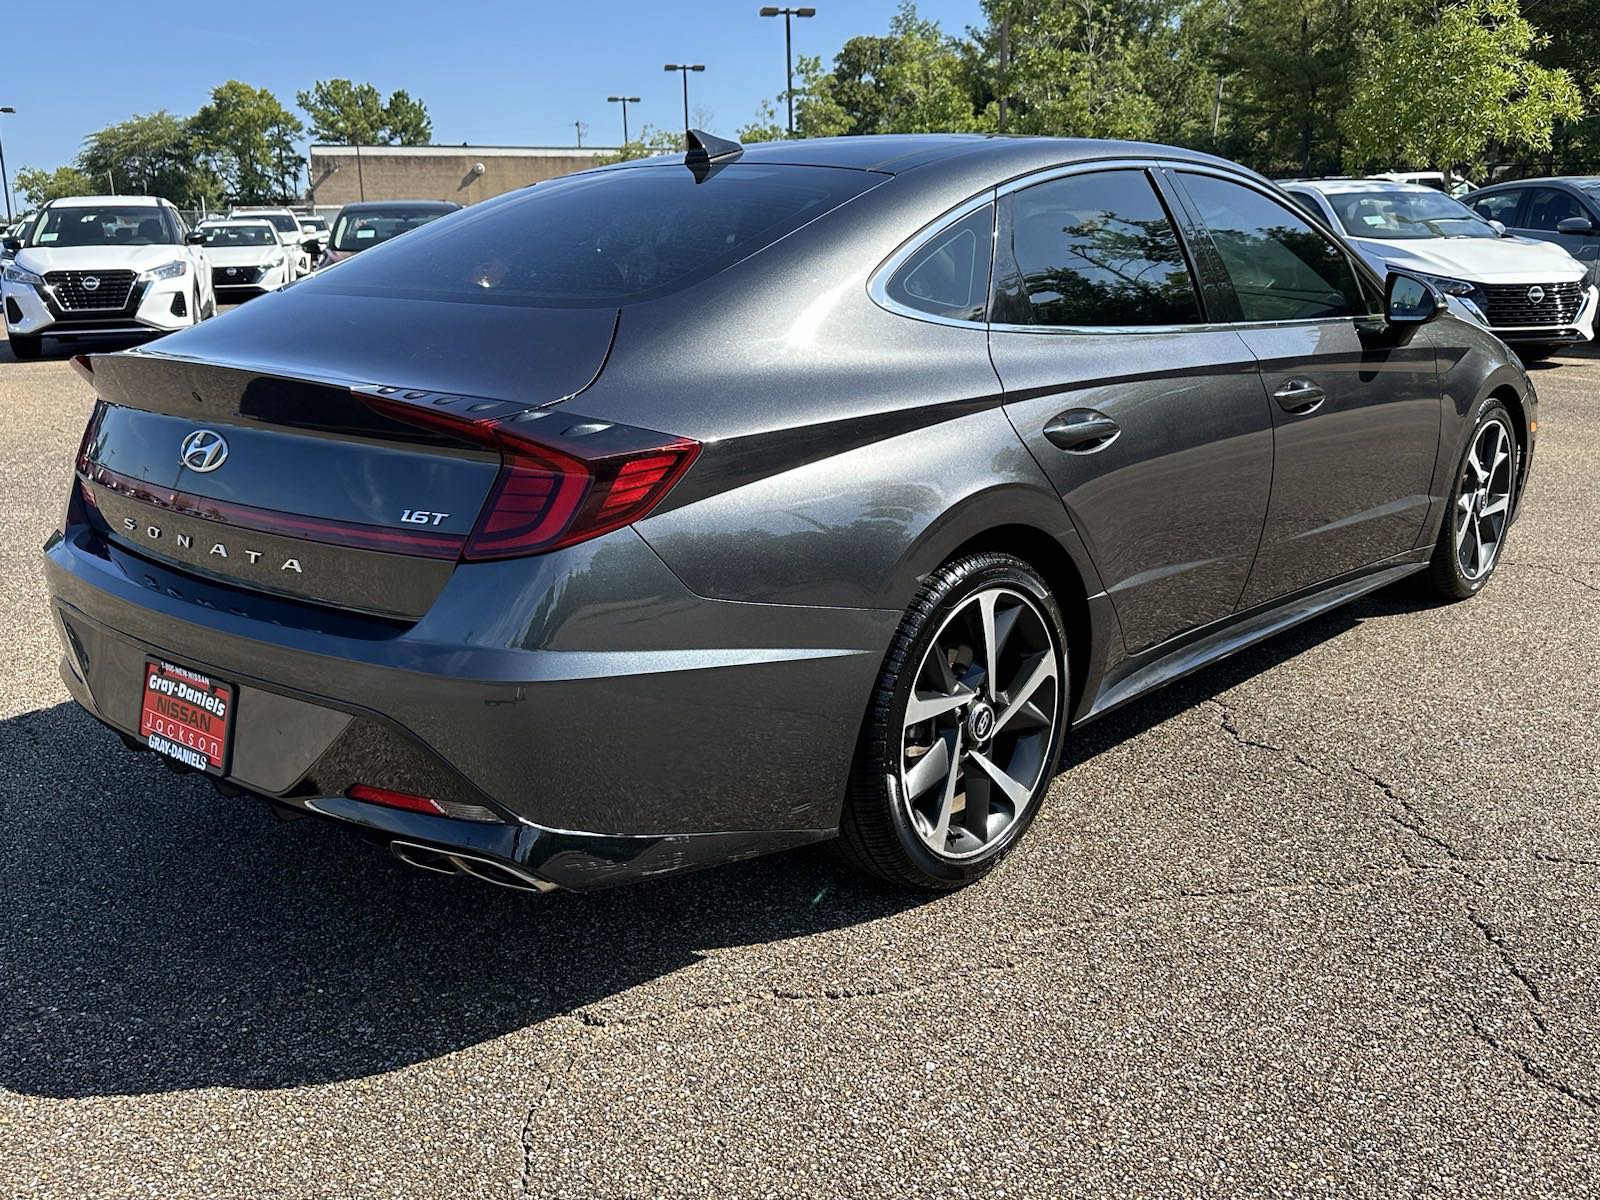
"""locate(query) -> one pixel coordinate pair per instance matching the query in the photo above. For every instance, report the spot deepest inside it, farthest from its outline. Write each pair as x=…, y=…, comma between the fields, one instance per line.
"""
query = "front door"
x=1355, y=414
x=1152, y=426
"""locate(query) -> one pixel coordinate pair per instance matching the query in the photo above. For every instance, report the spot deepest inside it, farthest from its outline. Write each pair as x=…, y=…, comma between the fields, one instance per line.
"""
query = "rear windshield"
x=601, y=239
x=108, y=225
x=359, y=230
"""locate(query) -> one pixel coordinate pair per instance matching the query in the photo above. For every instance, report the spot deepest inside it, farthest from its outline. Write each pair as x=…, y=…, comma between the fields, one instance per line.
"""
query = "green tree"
x=407, y=120
x=650, y=142
x=247, y=139
x=346, y=113
x=1076, y=68
x=1437, y=92
x=1286, y=67
x=150, y=155
x=37, y=186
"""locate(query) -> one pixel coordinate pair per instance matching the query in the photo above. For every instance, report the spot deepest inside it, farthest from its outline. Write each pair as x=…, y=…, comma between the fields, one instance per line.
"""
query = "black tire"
x=1447, y=578
x=25, y=347
x=877, y=832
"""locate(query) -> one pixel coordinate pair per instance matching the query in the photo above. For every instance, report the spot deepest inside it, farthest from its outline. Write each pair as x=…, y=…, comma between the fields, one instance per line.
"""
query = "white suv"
x=104, y=265
x=246, y=257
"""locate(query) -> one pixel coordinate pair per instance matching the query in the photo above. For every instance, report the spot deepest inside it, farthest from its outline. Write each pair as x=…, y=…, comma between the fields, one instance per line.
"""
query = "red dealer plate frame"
x=179, y=717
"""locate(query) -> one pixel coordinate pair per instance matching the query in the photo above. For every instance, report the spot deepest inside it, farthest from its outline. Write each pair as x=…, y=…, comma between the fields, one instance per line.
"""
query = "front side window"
x=1549, y=207
x=1502, y=206
x=949, y=276
x=104, y=225
x=1281, y=268
x=1098, y=250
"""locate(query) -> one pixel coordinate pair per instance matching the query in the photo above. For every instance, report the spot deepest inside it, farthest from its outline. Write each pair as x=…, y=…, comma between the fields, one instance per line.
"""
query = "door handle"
x=1300, y=396
x=1082, y=431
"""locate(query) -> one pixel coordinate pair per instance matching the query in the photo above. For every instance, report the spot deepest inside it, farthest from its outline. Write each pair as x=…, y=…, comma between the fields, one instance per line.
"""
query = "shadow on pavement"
x=158, y=937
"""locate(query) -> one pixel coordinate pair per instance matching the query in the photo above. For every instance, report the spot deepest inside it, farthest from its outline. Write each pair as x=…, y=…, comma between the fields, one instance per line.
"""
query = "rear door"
x=1355, y=416
x=1150, y=423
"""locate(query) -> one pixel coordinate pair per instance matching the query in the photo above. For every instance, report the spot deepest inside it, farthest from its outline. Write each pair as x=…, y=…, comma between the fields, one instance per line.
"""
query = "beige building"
x=343, y=174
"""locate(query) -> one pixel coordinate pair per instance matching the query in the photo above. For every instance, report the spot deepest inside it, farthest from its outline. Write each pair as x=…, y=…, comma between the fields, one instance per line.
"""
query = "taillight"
x=90, y=431
x=577, y=480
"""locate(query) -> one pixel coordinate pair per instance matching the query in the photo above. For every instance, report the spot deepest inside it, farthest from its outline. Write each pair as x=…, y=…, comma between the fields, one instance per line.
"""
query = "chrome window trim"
x=878, y=285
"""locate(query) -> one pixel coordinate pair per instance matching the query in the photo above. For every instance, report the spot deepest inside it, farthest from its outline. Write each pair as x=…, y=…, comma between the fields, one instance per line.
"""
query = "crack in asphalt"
x=1532, y=1069
x=1404, y=817
x=1560, y=572
x=1529, y=984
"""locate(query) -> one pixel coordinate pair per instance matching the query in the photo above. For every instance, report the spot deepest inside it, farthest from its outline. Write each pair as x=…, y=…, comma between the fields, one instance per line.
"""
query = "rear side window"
x=949, y=276
x=1280, y=267
x=599, y=239
x=1502, y=206
x=1098, y=250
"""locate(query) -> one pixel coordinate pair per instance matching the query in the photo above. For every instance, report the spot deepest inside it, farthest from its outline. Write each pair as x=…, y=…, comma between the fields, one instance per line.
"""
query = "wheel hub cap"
x=980, y=721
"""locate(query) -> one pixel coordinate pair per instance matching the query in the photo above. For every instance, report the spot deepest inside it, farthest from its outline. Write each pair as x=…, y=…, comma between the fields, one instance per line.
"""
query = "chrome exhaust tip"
x=454, y=862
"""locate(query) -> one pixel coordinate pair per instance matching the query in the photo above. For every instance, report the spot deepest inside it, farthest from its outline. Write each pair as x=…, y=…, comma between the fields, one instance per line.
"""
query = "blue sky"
x=491, y=73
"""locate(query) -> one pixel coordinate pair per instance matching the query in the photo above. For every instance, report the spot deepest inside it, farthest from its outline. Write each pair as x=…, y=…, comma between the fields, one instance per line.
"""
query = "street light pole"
x=684, y=69
x=624, y=101
x=788, y=47
x=5, y=181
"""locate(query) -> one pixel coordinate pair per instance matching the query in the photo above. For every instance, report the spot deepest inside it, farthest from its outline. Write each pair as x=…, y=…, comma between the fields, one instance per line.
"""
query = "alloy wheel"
x=980, y=722
x=1483, y=500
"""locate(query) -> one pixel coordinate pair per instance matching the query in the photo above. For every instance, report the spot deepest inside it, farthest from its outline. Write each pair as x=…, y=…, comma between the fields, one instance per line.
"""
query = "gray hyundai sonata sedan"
x=685, y=510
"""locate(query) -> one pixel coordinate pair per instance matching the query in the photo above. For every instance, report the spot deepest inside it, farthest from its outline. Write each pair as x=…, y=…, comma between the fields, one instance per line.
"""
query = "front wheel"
x=964, y=728
x=1480, y=508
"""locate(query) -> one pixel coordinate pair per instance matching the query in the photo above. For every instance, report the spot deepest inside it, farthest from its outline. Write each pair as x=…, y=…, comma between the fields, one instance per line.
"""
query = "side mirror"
x=12, y=244
x=1575, y=225
x=1409, y=301
x=195, y=237
x=311, y=244
x=1499, y=227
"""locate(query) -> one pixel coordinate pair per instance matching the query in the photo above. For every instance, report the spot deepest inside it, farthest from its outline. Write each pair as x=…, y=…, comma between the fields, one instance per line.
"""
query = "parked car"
x=316, y=227
x=1453, y=184
x=104, y=265
x=1533, y=295
x=673, y=512
x=369, y=223
x=15, y=235
x=1564, y=212
x=296, y=244
x=246, y=257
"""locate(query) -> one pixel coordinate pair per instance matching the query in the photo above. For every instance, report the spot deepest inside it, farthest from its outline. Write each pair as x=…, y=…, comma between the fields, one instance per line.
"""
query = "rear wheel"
x=24, y=346
x=1480, y=509
x=964, y=728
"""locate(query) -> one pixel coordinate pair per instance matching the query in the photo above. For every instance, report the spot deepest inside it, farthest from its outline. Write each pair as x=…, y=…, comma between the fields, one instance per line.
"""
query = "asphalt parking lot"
x=1322, y=920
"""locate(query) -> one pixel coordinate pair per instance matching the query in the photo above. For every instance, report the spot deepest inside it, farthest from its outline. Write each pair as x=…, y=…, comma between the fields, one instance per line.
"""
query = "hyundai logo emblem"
x=1536, y=294
x=203, y=450
x=91, y=283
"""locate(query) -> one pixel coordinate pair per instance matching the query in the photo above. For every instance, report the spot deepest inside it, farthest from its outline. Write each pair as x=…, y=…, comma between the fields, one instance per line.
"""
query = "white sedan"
x=247, y=257
x=95, y=265
x=1531, y=294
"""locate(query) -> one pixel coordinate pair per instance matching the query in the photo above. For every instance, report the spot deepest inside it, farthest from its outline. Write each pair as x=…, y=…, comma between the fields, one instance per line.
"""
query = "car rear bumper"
x=645, y=731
